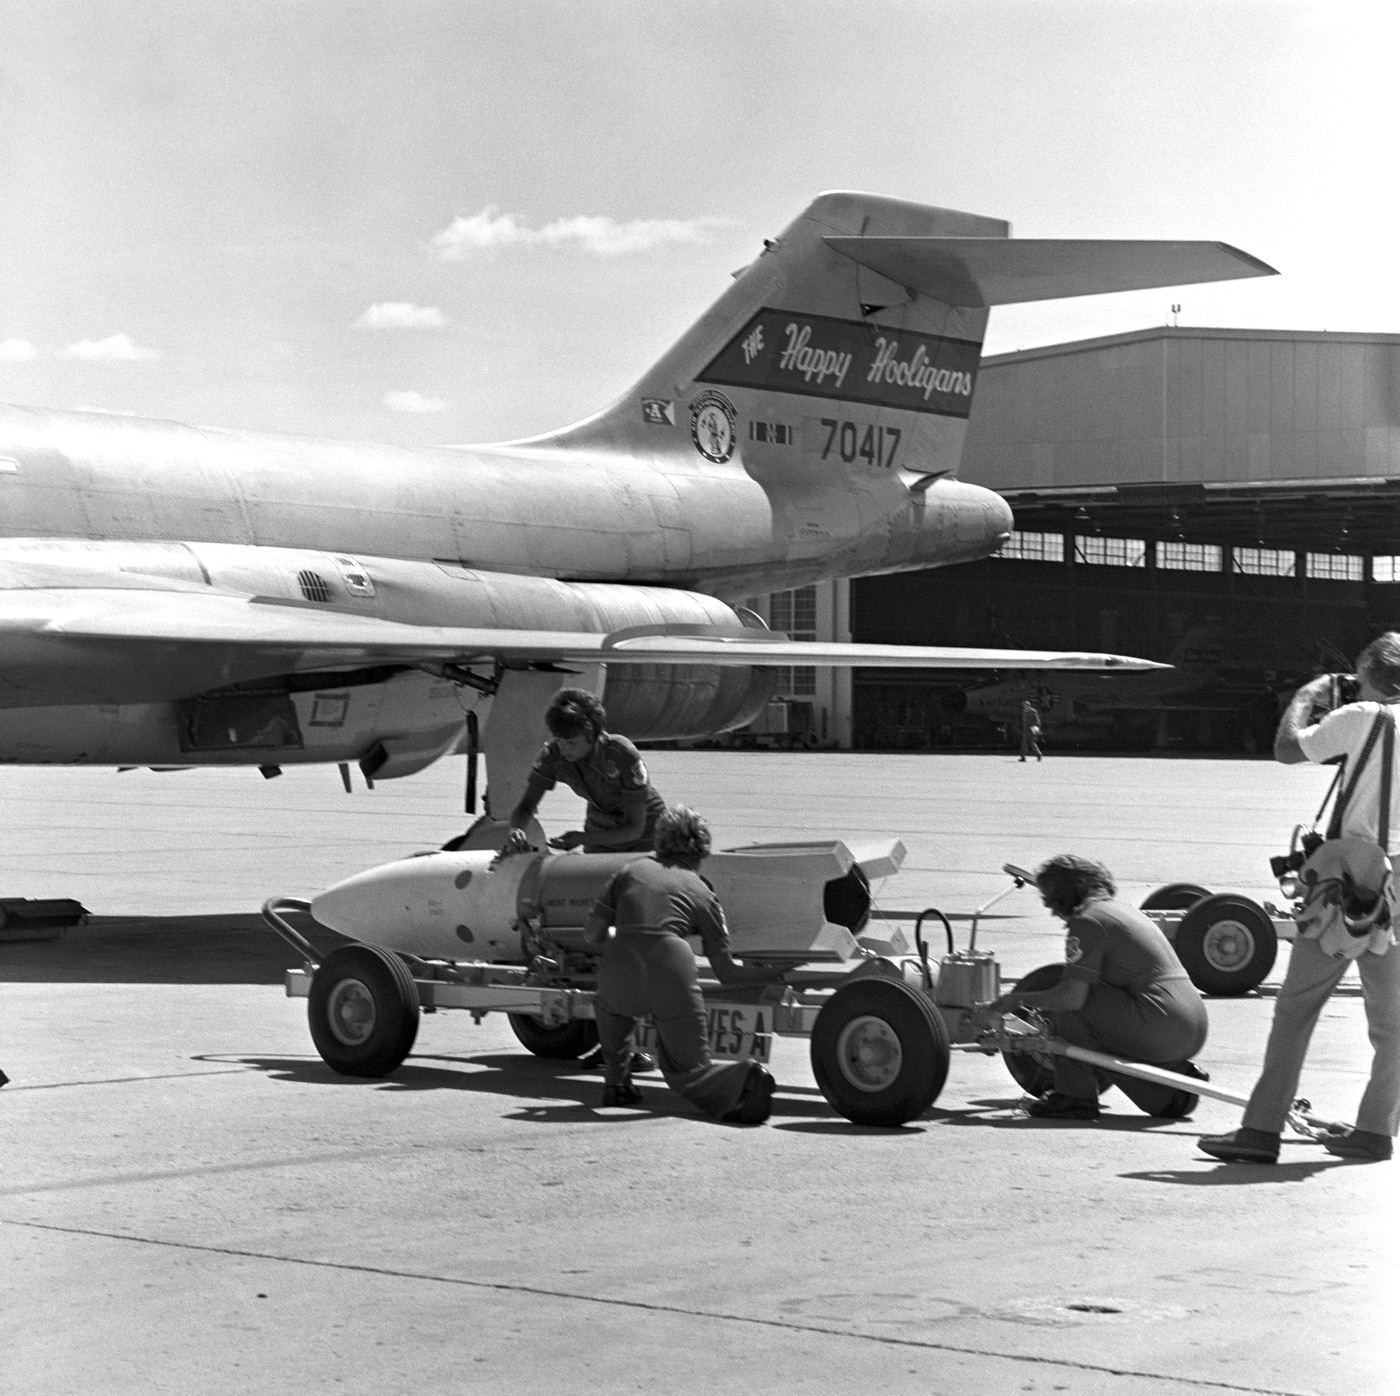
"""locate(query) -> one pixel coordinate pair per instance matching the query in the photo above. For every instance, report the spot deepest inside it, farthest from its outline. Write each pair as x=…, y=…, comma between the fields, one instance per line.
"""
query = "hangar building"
x=1226, y=500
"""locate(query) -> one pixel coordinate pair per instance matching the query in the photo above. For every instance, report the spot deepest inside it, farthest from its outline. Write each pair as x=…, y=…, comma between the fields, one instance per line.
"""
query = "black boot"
x=755, y=1102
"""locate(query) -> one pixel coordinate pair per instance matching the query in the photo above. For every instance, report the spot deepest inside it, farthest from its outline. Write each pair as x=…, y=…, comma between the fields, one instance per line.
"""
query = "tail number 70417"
x=853, y=441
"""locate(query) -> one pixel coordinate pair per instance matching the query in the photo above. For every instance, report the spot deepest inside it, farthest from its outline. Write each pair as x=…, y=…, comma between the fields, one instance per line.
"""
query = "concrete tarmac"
x=190, y=1201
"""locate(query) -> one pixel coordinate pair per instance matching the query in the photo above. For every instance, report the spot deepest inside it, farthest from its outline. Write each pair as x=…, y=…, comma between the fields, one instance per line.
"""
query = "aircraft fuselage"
x=524, y=508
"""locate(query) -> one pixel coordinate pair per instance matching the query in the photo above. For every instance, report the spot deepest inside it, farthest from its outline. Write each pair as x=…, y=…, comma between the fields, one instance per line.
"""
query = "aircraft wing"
x=124, y=644
x=1003, y=271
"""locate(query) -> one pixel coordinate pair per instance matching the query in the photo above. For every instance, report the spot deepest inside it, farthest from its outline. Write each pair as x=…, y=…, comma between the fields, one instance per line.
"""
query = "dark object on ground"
x=1062, y=1107
x=25, y=918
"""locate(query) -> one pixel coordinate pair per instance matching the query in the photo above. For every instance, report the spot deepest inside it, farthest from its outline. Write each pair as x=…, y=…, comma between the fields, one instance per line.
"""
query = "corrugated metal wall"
x=1164, y=405
x=1188, y=405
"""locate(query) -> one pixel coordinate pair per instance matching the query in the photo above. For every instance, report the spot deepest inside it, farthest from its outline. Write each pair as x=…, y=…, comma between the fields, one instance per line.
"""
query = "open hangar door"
x=1245, y=589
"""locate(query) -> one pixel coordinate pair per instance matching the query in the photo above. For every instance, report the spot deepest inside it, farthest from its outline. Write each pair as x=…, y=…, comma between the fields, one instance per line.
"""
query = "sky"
x=424, y=221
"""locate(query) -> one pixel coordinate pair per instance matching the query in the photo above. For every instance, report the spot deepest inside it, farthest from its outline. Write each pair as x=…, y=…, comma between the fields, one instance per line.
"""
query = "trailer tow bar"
x=1017, y=1035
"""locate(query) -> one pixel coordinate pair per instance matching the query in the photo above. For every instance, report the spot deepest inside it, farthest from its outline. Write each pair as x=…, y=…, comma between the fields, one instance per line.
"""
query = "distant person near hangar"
x=1030, y=730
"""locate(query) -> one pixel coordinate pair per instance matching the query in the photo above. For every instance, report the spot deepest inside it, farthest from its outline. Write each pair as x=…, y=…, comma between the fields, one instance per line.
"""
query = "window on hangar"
x=1110, y=552
x=1033, y=547
x=1266, y=562
x=795, y=612
x=1190, y=557
x=1337, y=567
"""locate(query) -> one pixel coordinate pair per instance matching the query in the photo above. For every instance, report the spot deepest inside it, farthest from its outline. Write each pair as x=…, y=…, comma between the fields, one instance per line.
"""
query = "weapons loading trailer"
x=883, y=1022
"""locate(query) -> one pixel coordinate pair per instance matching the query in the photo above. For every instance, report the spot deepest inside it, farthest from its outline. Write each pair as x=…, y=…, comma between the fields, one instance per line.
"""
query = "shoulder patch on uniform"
x=625, y=762
x=1073, y=950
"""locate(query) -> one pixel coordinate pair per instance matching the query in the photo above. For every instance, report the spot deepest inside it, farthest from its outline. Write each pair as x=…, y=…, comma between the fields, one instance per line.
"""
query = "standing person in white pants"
x=1312, y=973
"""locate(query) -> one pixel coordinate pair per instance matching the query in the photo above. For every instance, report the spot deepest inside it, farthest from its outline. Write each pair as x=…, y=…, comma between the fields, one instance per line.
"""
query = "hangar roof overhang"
x=1357, y=515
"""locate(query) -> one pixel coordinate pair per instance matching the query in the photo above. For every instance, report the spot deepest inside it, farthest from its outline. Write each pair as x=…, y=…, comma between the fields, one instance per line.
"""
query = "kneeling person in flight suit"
x=1123, y=992
x=605, y=769
x=648, y=968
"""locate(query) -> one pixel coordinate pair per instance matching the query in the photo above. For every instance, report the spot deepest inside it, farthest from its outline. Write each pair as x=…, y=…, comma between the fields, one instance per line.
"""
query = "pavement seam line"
x=646, y=1306
x=120, y=1080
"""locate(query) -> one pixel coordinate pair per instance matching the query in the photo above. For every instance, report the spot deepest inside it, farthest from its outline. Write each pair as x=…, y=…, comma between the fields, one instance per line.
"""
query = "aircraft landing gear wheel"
x=363, y=1011
x=564, y=1043
x=1227, y=944
x=880, y=1052
x=1175, y=896
x=1035, y=1075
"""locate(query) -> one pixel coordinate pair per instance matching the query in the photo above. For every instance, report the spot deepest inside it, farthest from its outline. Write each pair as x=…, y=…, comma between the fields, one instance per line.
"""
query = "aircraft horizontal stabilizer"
x=262, y=636
x=967, y=271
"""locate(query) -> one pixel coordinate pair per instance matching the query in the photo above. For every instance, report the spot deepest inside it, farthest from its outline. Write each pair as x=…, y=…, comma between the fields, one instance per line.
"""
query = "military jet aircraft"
x=178, y=596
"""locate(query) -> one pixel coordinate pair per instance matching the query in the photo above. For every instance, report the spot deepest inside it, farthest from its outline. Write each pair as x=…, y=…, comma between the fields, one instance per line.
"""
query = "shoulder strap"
x=1387, y=761
x=1334, y=827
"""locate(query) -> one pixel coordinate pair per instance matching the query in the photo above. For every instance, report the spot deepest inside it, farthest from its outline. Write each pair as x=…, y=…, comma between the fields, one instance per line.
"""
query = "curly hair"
x=1067, y=881
x=1380, y=662
x=682, y=837
x=575, y=712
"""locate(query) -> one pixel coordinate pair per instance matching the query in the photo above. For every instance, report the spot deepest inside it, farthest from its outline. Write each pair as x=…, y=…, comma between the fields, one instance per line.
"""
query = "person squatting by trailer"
x=1313, y=973
x=1122, y=991
x=647, y=967
x=602, y=768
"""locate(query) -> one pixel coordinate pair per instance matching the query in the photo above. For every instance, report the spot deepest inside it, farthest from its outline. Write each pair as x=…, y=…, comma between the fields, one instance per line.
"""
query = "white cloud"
x=115, y=348
x=400, y=315
x=406, y=400
x=13, y=350
x=599, y=236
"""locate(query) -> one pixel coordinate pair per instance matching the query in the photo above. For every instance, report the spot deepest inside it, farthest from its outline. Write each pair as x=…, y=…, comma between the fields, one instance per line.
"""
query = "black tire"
x=1035, y=1076
x=1227, y=944
x=563, y=1043
x=1175, y=896
x=880, y=1052
x=1031, y=1073
x=363, y=1011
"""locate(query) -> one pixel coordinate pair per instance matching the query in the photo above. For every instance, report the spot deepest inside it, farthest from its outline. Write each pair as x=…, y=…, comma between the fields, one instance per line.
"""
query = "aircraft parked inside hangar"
x=1137, y=709
x=175, y=596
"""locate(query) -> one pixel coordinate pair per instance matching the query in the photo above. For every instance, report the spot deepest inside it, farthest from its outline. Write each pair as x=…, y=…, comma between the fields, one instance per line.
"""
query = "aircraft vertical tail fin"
x=851, y=344
x=812, y=359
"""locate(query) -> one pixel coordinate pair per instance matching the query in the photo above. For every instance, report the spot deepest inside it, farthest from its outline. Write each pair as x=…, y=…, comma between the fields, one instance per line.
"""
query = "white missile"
x=793, y=902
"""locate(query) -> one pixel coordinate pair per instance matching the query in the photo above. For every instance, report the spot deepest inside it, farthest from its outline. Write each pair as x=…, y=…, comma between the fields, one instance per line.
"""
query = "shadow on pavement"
x=1232, y=1175
x=578, y=1091
x=1005, y=1113
x=233, y=948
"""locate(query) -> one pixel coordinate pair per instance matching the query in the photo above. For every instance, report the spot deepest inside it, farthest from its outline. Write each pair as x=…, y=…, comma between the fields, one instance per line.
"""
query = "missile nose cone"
x=375, y=904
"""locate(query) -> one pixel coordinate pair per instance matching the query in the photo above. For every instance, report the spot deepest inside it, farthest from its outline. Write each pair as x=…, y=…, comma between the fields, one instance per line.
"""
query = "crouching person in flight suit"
x=1123, y=992
x=605, y=769
x=648, y=967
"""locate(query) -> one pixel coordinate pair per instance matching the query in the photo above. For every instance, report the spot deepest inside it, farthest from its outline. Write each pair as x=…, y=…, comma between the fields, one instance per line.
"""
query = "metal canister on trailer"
x=967, y=979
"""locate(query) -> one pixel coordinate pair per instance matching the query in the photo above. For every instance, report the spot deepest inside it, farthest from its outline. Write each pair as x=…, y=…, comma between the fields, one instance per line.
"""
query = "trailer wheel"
x=563, y=1043
x=1034, y=1074
x=1227, y=944
x=880, y=1052
x=363, y=1011
x=1175, y=896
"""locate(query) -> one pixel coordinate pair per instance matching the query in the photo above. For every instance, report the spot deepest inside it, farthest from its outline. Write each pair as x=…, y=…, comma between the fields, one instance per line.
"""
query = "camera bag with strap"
x=1347, y=884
